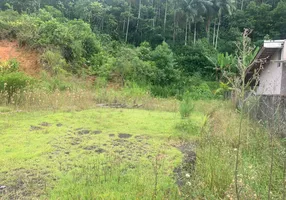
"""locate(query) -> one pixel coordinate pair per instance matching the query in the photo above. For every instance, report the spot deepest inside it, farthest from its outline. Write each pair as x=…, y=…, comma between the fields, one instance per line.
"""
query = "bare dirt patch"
x=35, y=128
x=188, y=163
x=28, y=59
x=124, y=135
x=23, y=184
x=45, y=124
x=96, y=132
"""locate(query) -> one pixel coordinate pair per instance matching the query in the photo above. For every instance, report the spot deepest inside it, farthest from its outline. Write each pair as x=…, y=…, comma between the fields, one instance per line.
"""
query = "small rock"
x=59, y=125
x=2, y=187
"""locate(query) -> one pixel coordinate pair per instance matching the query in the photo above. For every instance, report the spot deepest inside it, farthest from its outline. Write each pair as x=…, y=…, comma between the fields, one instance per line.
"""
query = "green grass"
x=58, y=162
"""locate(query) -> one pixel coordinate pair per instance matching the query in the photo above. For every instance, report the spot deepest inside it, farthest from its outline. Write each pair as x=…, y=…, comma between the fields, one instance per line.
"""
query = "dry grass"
x=84, y=98
x=214, y=175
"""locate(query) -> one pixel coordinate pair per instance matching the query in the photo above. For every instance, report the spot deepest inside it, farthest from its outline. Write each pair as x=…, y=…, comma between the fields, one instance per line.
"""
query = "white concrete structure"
x=272, y=79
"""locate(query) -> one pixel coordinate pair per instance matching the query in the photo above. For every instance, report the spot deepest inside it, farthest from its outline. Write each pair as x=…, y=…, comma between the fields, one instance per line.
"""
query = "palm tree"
x=209, y=14
x=190, y=12
x=195, y=9
x=223, y=7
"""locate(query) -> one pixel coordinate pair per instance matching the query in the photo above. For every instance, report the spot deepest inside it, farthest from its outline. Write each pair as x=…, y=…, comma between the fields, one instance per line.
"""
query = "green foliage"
x=11, y=80
x=54, y=83
x=186, y=106
x=9, y=66
x=188, y=127
x=11, y=83
x=165, y=62
x=130, y=67
x=54, y=63
x=163, y=91
x=202, y=91
x=74, y=38
x=193, y=59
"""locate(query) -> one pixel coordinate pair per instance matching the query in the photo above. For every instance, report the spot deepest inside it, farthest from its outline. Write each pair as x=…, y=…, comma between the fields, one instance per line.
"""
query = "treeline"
x=70, y=46
x=169, y=46
x=178, y=22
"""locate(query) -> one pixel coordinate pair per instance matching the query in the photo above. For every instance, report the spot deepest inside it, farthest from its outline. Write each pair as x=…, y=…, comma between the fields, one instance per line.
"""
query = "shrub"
x=202, y=92
x=9, y=66
x=166, y=73
x=186, y=106
x=54, y=62
x=187, y=126
x=55, y=82
x=13, y=82
x=163, y=91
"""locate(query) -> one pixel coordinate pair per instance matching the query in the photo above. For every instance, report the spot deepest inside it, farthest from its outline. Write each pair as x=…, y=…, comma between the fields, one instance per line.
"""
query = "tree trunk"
x=165, y=19
x=186, y=32
x=102, y=23
x=195, y=33
x=174, y=31
x=241, y=6
x=155, y=17
x=127, y=29
x=214, y=35
x=190, y=28
x=208, y=28
x=124, y=22
x=217, y=33
x=139, y=16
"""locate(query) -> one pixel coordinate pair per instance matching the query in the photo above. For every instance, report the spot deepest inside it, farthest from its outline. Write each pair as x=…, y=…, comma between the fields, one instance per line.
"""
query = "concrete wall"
x=283, y=81
x=271, y=76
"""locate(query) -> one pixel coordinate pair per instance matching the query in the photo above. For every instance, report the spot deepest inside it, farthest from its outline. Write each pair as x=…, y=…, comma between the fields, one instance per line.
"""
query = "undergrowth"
x=213, y=176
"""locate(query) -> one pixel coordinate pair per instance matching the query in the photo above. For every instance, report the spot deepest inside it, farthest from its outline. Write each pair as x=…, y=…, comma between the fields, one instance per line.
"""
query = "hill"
x=28, y=59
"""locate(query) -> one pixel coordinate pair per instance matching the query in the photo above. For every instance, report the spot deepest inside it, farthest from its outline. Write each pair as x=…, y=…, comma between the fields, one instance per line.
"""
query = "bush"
x=13, y=82
x=55, y=82
x=54, y=62
x=163, y=91
x=193, y=59
x=186, y=106
x=9, y=66
x=164, y=60
x=187, y=126
x=202, y=91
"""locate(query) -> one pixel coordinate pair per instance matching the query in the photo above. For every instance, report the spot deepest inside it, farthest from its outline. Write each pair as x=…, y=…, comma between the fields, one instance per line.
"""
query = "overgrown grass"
x=57, y=159
x=71, y=93
x=49, y=154
x=214, y=173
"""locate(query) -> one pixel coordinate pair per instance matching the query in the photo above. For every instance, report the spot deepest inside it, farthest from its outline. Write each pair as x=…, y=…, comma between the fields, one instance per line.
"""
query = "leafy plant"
x=9, y=66
x=13, y=82
x=54, y=62
x=186, y=106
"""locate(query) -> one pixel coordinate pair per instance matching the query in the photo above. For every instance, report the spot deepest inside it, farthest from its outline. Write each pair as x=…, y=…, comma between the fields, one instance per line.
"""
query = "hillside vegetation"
x=120, y=99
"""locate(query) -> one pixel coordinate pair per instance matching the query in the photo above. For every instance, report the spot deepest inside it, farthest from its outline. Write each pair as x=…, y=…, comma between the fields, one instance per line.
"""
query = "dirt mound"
x=29, y=60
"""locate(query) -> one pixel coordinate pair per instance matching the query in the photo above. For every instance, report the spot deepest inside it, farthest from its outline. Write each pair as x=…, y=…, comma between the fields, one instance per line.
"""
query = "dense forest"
x=160, y=43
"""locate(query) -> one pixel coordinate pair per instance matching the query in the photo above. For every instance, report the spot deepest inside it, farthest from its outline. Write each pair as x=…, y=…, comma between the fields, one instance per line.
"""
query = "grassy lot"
x=100, y=153
x=105, y=153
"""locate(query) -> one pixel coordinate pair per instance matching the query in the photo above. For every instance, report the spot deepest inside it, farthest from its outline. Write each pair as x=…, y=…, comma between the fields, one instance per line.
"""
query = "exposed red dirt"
x=28, y=59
